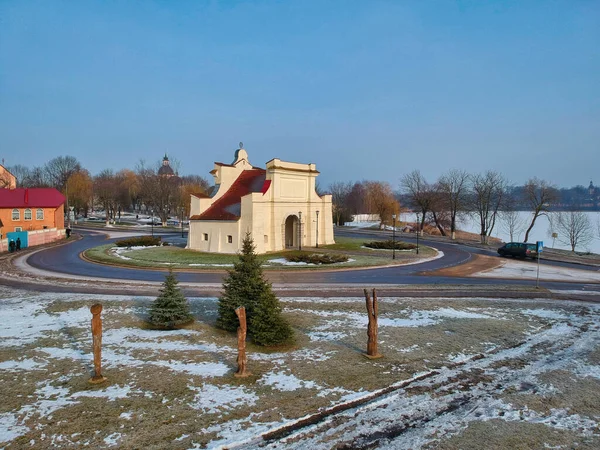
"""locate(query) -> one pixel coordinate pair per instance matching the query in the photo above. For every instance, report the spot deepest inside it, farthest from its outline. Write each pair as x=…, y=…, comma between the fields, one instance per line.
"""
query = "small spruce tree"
x=246, y=286
x=170, y=308
x=267, y=326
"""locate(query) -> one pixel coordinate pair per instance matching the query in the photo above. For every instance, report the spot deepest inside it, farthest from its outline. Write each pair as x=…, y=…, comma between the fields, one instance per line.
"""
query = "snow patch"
x=285, y=382
x=212, y=399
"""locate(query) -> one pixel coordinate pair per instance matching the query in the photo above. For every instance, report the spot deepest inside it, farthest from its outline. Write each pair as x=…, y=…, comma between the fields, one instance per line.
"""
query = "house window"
x=18, y=229
x=229, y=239
x=266, y=239
x=27, y=215
x=16, y=215
x=205, y=236
x=39, y=214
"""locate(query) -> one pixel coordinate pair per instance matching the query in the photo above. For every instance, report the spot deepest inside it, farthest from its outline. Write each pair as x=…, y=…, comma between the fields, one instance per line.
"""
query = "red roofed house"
x=278, y=206
x=39, y=211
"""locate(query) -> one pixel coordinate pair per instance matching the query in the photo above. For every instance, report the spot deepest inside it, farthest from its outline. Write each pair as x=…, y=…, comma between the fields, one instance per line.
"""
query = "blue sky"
x=364, y=89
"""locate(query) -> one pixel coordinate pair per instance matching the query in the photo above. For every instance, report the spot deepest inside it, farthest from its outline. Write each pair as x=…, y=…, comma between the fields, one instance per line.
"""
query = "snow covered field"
x=454, y=372
x=527, y=270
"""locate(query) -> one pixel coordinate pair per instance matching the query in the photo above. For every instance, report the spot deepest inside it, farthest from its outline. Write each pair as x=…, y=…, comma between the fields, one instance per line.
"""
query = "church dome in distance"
x=165, y=169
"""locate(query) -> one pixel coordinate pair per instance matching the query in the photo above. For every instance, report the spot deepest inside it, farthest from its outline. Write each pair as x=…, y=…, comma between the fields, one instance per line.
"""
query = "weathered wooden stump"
x=372, y=310
x=97, y=343
x=241, y=336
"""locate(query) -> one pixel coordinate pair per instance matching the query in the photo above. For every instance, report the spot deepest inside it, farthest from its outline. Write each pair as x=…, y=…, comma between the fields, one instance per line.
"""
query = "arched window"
x=16, y=215
x=27, y=215
x=39, y=214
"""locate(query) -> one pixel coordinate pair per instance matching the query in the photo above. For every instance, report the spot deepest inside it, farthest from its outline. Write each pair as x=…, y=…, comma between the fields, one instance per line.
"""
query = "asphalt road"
x=65, y=259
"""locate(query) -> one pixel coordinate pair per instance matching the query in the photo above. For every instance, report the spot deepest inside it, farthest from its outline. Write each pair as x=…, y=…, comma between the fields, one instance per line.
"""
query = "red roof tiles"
x=31, y=198
x=228, y=207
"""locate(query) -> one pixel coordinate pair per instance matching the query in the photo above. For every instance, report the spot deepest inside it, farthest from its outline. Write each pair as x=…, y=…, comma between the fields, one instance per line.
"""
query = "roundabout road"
x=65, y=259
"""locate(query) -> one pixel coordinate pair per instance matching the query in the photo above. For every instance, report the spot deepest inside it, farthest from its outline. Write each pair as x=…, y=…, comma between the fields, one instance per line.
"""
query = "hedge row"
x=389, y=245
x=316, y=258
x=139, y=241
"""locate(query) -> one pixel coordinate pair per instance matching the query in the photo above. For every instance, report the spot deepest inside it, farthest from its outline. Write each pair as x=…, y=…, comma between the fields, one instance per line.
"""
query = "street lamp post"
x=182, y=222
x=317, y=228
x=299, y=230
x=394, y=237
x=418, y=232
x=152, y=211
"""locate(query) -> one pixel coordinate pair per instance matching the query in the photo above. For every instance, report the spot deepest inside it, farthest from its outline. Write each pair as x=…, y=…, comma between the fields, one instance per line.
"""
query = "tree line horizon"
x=438, y=203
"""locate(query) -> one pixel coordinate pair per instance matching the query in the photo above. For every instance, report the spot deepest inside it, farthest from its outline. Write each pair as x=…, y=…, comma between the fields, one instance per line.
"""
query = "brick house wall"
x=53, y=218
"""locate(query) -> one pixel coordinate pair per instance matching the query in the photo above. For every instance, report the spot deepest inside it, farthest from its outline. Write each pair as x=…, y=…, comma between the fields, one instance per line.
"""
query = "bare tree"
x=21, y=173
x=511, y=220
x=419, y=193
x=512, y=223
x=573, y=228
x=539, y=195
x=340, y=193
x=59, y=169
x=438, y=213
x=106, y=190
x=30, y=178
x=487, y=197
x=127, y=189
x=162, y=194
x=453, y=192
x=357, y=199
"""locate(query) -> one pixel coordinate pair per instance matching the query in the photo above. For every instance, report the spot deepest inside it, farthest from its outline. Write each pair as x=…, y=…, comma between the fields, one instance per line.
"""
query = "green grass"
x=346, y=243
x=158, y=257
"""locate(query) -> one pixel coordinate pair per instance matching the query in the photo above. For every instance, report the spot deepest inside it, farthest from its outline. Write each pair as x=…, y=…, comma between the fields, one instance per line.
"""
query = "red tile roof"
x=266, y=186
x=228, y=207
x=31, y=198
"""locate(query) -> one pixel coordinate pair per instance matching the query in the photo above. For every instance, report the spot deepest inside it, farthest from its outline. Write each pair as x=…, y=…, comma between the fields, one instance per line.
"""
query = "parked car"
x=518, y=250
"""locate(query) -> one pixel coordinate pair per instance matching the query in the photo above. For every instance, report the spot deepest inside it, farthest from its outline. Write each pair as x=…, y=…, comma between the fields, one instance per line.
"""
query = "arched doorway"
x=291, y=232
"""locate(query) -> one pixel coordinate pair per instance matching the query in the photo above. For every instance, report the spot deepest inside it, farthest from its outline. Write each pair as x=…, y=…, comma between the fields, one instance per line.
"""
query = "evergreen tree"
x=246, y=286
x=170, y=308
x=267, y=326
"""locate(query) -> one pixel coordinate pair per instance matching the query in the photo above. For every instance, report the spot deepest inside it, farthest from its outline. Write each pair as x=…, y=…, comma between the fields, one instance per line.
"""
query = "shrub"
x=316, y=258
x=170, y=308
x=246, y=286
x=139, y=241
x=389, y=245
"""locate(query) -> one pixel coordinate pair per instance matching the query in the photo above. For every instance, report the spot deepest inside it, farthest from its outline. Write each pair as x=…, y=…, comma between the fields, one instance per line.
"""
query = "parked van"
x=518, y=250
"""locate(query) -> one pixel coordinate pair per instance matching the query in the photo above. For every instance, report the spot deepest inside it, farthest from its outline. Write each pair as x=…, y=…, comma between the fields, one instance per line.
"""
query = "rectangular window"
x=229, y=239
x=18, y=229
x=16, y=215
x=266, y=239
x=39, y=214
x=205, y=236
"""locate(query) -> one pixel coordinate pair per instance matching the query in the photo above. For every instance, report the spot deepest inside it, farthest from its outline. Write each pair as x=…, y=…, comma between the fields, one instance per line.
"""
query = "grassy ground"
x=177, y=389
x=178, y=257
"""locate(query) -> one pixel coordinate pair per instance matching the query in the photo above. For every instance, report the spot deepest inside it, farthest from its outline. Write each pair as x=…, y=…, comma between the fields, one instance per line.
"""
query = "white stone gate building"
x=278, y=206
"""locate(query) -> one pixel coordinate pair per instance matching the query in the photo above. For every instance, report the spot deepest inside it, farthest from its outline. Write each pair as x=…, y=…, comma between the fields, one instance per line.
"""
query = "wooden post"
x=97, y=343
x=372, y=310
x=241, y=337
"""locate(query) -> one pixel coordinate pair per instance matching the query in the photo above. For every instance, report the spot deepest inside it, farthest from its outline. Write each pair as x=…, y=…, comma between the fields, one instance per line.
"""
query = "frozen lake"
x=541, y=231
